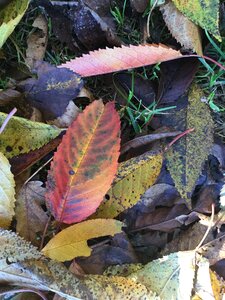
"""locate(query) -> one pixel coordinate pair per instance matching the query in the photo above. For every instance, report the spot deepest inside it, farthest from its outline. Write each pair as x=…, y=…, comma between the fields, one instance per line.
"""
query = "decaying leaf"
x=68, y=117
x=72, y=241
x=133, y=178
x=37, y=41
x=7, y=193
x=21, y=264
x=185, y=31
x=85, y=164
x=214, y=250
x=31, y=218
x=21, y=135
x=187, y=155
x=78, y=25
x=8, y=96
x=205, y=13
x=126, y=57
x=10, y=16
x=52, y=91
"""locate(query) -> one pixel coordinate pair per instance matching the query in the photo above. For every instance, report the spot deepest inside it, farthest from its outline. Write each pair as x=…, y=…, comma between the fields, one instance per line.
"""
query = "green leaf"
x=204, y=13
x=133, y=178
x=171, y=277
x=186, y=157
x=10, y=16
x=22, y=136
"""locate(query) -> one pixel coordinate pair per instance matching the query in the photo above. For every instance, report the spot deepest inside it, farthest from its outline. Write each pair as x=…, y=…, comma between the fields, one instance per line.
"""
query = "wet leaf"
x=126, y=57
x=85, y=164
x=85, y=29
x=186, y=158
x=7, y=193
x=185, y=31
x=176, y=77
x=205, y=13
x=31, y=218
x=133, y=178
x=22, y=136
x=72, y=241
x=10, y=16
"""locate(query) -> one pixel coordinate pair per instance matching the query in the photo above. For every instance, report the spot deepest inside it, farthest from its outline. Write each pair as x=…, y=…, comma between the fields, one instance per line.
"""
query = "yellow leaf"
x=22, y=136
x=133, y=178
x=7, y=192
x=10, y=16
x=72, y=241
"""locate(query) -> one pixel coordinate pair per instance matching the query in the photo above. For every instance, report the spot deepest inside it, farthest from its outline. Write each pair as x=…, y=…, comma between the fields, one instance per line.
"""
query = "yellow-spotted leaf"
x=204, y=13
x=72, y=241
x=7, y=193
x=21, y=135
x=171, y=277
x=10, y=16
x=133, y=178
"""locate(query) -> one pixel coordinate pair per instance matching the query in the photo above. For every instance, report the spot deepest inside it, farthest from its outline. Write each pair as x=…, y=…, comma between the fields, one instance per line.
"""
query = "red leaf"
x=112, y=60
x=85, y=164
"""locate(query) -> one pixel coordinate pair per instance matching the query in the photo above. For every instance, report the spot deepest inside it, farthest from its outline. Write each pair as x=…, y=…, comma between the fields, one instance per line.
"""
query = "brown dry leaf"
x=146, y=139
x=214, y=250
x=31, y=218
x=68, y=116
x=8, y=96
x=37, y=41
x=185, y=31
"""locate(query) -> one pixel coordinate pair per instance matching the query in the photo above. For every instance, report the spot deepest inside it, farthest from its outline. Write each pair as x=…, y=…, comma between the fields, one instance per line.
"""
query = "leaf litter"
x=153, y=220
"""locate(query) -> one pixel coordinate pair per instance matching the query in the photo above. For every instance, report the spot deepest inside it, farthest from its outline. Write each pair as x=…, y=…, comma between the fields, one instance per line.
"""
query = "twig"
x=44, y=233
x=178, y=137
x=38, y=170
x=149, y=15
x=7, y=119
x=208, y=229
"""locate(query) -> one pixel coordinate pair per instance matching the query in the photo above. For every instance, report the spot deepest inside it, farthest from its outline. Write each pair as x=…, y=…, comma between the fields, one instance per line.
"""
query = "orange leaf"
x=112, y=60
x=85, y=164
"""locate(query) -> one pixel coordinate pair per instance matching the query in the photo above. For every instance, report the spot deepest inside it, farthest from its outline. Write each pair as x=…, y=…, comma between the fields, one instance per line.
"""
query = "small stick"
x=44, y=233
x=178, y=137
x=7, y=119
x=38, y=170
x=208, y=229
